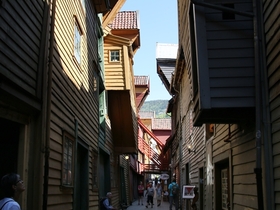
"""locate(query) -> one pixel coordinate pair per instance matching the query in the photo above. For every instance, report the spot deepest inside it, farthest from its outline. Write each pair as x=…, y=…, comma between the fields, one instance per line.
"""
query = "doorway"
x=81, y=178
x=222, y=190
x=201, y=187
x=104, y=173
x=9, y=141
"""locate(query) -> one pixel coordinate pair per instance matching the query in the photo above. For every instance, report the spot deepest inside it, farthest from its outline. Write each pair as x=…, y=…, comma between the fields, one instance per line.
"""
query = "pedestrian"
x=173, y=194
x=11, y=187
x=106, y=202
x=159, y=193
x=195, y=199
x=150, y=195
x=140, y=190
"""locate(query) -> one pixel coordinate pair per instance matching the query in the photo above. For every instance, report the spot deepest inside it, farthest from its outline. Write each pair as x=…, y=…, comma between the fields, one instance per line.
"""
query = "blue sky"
x=158, y=23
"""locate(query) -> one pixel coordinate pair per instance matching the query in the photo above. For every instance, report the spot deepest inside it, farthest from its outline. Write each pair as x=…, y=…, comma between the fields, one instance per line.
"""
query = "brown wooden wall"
x=20, y=61
x=237, y=148
x=272, y=33
x=114, y=71
x=23, y=26
x=73, y=96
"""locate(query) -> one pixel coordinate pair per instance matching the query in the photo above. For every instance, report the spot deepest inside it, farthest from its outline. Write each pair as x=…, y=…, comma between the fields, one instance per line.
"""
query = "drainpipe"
x=48, y=117
x=258, y=101
x=269, y=179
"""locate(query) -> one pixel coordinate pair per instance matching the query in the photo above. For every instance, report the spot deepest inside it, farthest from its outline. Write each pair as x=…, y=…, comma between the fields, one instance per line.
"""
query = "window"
x=68, y=157
x=77, y=43
x=94, y=170
x=114, y=55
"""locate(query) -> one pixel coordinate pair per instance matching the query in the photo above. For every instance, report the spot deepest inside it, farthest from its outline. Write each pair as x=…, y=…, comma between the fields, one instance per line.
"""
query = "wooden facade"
x=232, y=159
x=120, y=45
x=52, y=103
x=271, y=32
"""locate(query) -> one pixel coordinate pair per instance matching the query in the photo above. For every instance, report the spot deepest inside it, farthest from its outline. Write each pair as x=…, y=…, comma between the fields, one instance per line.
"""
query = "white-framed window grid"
x=114, y=55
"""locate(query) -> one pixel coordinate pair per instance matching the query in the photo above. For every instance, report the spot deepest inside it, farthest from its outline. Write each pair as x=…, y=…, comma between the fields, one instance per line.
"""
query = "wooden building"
x=55, y=128
x=121, y=42
x=224, y=105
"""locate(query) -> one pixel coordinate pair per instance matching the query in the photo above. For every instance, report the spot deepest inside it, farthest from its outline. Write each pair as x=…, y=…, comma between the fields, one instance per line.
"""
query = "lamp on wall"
x=126, y=157
x=190, y=149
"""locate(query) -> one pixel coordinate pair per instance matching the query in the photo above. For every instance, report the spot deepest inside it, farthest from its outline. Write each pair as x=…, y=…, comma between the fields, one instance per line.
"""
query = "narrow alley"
x=164, y=206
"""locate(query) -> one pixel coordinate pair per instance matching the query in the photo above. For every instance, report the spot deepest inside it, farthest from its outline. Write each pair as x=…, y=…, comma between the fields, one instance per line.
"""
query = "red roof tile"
x=126, y=20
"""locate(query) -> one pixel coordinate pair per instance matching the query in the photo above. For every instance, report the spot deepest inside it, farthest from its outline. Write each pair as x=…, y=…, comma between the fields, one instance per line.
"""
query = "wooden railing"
x=161, y=163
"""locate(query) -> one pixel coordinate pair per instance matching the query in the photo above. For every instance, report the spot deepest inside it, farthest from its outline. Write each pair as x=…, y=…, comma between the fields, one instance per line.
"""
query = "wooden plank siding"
x=22, y=66
x=46, y=92
x=115, y=71
x=20, y=34
x=231, y=146
x=74, y=105
x=224, y=64
x=272, y=33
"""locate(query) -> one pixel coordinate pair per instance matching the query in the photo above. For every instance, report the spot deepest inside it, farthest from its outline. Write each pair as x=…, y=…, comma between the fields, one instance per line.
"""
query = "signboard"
x=188, y=191
x=164, y=176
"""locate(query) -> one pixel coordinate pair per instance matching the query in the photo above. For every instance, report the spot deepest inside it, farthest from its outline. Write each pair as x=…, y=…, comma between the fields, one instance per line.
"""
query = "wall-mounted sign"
x=188, y=191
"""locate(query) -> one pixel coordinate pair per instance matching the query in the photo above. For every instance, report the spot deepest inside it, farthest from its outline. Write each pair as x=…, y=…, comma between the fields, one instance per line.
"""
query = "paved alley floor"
x=164, y=206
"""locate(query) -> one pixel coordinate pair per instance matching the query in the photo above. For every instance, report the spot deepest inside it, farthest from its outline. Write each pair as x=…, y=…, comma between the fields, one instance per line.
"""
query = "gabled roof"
x=166, y=61
x=142, y=89
x=126, y=24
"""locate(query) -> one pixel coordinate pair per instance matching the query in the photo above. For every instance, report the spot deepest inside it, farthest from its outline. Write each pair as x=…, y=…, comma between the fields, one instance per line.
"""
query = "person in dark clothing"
x=173, y=194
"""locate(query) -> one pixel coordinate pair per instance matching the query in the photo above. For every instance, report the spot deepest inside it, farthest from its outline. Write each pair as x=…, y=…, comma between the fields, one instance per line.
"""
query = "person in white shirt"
x=150, y=192
x=159, y=193
x=107, y=202
x=11, y=187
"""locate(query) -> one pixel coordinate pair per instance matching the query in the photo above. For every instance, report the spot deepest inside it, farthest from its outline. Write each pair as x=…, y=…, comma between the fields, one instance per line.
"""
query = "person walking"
x=11, y=187
x=195, y=199
x=140, y=190
x=173, y=194
x=150, y=192
x=158, y=193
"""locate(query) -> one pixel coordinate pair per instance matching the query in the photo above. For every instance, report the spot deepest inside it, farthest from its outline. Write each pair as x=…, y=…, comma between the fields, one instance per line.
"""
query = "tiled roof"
x=141, y=80
x=161, y=124
x=146, y=114
x=126, y=20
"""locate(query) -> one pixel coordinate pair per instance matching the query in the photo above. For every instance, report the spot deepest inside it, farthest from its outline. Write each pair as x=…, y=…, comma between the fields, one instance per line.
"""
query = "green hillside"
x=157, y=106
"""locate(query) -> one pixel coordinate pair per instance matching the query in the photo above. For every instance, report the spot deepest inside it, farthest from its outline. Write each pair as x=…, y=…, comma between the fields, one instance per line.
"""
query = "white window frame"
x=114, y=56
x=78, y=42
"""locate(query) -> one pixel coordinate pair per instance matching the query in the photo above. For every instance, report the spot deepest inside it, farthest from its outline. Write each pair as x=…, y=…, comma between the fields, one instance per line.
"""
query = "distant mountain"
x=157, y=106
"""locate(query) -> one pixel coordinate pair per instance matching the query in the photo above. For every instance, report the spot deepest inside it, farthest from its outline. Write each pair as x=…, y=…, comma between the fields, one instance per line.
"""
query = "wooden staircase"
x=160, y=161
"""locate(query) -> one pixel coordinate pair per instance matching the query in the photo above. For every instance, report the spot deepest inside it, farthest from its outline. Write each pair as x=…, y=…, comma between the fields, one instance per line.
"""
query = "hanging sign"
x=164, y=176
